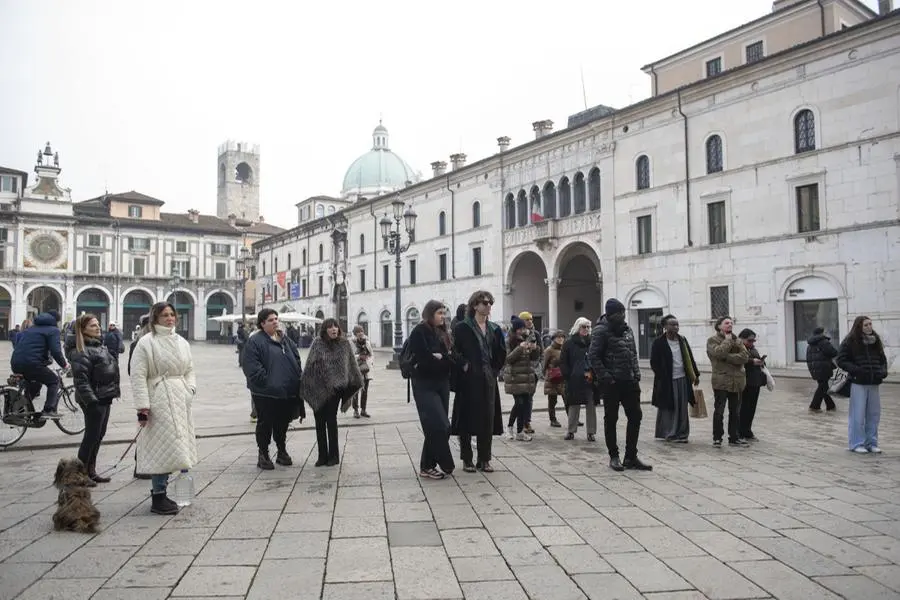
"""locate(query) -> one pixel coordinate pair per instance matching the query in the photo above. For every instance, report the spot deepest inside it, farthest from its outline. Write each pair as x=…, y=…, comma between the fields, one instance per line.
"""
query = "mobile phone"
x=142, y=417
x=764, y=356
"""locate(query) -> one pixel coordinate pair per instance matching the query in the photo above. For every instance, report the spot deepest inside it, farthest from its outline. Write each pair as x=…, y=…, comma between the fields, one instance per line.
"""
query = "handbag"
x=698, y=408
x=838, y=382
x=554, y=375
x=770, y=381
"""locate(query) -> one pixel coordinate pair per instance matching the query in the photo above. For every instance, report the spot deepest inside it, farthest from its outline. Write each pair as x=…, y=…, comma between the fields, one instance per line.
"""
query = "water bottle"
x=183, y=488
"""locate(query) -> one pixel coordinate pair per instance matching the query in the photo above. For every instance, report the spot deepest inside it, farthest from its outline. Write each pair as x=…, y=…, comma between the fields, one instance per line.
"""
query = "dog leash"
x=121, y=458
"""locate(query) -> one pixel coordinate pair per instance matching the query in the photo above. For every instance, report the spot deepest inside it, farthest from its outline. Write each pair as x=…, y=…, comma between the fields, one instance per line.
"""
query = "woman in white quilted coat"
x=163, y=386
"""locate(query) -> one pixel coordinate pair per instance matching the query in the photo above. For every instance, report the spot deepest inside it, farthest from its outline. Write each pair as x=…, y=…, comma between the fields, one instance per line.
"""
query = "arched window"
x=303, y=257
x=321, y=253
x=804, y=131
x=594, y=189
x=521, y=209
x=580, y=204
x=363, y=321
x=510, y=212
x=442, y=223
x=387, y=329
x=549, y=200
x=642, y=172
x=320, y=211
x=713, y=154
x=362, y=243
x=476, y=214
x=565, y=197
x=330, y=209
x=412, y=319
x=534, y=201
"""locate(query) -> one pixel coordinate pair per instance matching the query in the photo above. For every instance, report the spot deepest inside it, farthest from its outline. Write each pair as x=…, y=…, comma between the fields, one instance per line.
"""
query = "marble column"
x=552, y=302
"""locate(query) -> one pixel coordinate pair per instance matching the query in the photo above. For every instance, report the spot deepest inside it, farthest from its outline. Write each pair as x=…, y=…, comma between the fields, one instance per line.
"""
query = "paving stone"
x=629, y=517
x=168, y=542
x=771, y=519
x=548, y=582
x=128, y=594
x=16, y=577
x=150, y=571
x=423, y=533
x=850, y=512
x=101, y=561
x=602, y=586
x=781, y=581
x=304, y=544
x=360, y=491
x=535, y=516
x=714, y=579
x=681, y=520
x=371, y=590
x=53, y=547
x=481, y=568
x=494, y=590
x=857, y=587
x=799, y=557
x=358, y=559
x=579, y=559
x=130, y=531
x=741, y=526
x=881, y=545
x=70, y=589
x=524, y=552
x=303, y=522
x=210, y=512
x=557, y=536
x=886, y=575
x=468, y=542
x=352, y=527
x=675, y=596
x=646, y=572
x=664, y=542
x=832, y=547
x=248, y=524
x=222, y=553
x=407, y=511
x=455, y=517
x=364, y=507
x=506, y=525
x=215, y=581
x=725, y=546
x=262, y=501
x=603, y=536
x=291, y=579
x=422, y=573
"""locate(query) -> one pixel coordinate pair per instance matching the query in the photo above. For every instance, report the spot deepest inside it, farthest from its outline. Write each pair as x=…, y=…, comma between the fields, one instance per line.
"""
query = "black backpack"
x=407, y=366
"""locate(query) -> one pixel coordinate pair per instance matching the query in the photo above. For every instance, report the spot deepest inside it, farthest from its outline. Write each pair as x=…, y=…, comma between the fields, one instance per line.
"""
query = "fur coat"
x=162, y=379
x=331, y=370
x=551, y=360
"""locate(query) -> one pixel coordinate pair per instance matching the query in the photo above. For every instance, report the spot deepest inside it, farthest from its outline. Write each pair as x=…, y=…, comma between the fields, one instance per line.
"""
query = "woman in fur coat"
x=331, y=379
x=163, y=386
x=554, y=388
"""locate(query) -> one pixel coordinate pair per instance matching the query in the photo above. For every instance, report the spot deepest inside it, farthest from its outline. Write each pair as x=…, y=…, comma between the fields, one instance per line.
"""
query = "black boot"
x=636, y=464
x=162, y=505
x=283, y=458
x=615, y=465
x=264, y=462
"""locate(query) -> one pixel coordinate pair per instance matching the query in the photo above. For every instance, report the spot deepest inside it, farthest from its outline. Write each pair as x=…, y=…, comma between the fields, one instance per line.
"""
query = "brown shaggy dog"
x=75, y=511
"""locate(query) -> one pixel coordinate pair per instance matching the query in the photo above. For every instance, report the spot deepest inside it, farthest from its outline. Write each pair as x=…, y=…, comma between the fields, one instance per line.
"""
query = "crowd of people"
x=591, y=365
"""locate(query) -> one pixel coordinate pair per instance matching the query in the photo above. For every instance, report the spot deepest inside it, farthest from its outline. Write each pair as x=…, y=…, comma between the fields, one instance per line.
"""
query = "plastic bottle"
x=183, y=488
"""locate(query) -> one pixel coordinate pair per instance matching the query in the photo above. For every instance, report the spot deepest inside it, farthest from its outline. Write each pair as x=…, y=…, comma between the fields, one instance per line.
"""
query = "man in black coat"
x=613, y=358
x=820, y=355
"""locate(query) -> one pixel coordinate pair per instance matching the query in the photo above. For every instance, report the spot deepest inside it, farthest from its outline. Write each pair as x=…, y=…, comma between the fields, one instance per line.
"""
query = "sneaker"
x=283, y=458
x=555, y=423
x=510, y=433
x=365, y=415
x=739, y=443
x=355, y=414
x=528, y=428
x=874, y=449
x=861, y=450
x=717, y=443
x=569, y=436
x=591, y=437
x=50, y=415
x=523, y=437
x=431, y=474
x=468, y=467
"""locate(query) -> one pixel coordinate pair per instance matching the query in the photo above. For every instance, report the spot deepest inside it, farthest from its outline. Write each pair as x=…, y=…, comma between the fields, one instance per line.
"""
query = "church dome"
x=378, y=171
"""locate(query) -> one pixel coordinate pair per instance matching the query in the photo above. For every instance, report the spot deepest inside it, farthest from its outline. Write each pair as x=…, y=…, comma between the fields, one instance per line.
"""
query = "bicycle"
x=18, y=412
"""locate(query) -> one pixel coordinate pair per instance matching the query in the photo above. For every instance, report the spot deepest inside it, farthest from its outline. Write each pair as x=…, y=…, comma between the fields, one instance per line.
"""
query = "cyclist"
x=32, y=357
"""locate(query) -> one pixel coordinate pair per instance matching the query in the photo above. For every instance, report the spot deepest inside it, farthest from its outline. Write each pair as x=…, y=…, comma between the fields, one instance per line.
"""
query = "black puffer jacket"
x=94, y=370
x=866, y=363
x=820, y=355
x=613, y=355
x=272, y=368
x=755, y=375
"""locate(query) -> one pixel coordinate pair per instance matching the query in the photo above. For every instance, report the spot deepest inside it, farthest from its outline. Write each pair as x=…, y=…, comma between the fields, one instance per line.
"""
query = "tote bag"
x=698, y=408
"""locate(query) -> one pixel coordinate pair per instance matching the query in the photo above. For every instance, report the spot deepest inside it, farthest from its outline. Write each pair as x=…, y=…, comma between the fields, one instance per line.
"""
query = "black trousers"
x=551, y=406
x=628, y=395
x=822, y=394
x=327, y=429
x=96, y=418
x=485, y=440
x=273, y=415
x=361, y=398
x=433, y=403
x=749, y=399
x=42, y=375
x=733, y=400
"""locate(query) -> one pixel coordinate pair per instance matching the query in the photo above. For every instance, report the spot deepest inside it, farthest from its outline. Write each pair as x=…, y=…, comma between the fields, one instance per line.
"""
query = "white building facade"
x=767, y=192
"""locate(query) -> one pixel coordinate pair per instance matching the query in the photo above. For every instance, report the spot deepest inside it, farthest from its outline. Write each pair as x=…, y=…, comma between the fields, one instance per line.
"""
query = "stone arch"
x=141, y=288
x=45, y=303
x=362, y=319
x=526, y=288
x=214, y=329
x=135, y=307
x=411, y=317
x=186, y=311
x=386, y=326
x=220, y=291
x=834, y=281
x=102, y=288
x=6, y=314
x=577, y=274
x=183, y=290
x=96, y=300
x=646, y=304
x=811, y=299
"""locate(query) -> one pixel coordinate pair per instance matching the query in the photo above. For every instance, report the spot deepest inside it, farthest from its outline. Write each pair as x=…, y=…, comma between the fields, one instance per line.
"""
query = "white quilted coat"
x=162, y=379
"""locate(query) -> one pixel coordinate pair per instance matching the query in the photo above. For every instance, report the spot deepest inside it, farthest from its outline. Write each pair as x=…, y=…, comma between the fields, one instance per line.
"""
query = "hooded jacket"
x=37, y=344
x=820, y=355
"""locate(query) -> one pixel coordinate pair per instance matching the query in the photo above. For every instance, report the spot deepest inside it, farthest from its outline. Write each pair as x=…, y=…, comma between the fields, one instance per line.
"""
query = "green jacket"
x=727, y=357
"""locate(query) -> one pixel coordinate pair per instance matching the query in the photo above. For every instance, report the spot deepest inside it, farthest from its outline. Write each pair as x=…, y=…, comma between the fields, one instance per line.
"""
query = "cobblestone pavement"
x=794, y=516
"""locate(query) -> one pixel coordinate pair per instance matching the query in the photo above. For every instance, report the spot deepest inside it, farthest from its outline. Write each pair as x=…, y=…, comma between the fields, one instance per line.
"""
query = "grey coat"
x=331, y=370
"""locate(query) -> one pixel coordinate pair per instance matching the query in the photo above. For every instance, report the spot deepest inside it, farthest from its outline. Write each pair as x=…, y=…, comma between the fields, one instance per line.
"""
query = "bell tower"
x=238, y=177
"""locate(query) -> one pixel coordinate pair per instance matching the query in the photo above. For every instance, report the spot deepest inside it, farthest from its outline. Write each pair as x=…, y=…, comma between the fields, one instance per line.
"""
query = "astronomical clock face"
x=45, y=249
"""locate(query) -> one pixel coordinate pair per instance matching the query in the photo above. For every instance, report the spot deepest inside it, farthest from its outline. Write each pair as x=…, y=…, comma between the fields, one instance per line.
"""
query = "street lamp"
x=392, y=236
x=242, y=264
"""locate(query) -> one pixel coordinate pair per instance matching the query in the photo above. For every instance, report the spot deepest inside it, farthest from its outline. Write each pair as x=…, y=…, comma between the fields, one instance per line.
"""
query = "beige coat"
x=727, y=357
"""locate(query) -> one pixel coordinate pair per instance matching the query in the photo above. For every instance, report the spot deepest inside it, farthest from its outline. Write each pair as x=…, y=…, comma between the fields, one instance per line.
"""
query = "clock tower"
x=238, y=182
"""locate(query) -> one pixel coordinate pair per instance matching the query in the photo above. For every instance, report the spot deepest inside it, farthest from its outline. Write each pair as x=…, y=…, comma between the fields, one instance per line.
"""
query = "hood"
x=817, y=339
x=461, y=312
x=45, y=320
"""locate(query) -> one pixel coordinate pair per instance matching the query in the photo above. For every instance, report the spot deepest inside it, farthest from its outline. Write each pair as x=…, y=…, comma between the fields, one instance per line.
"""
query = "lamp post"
x=392, y=236
x=242, y=265
x=175, y=283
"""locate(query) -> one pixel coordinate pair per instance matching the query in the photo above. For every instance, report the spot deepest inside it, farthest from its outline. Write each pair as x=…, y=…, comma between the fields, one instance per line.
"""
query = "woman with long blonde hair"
x=96, y=375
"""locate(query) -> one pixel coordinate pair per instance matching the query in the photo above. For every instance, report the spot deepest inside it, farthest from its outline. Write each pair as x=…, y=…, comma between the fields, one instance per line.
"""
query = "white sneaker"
x=874, y=449
x=510, y=433
x=523, y=437
x=860, y=450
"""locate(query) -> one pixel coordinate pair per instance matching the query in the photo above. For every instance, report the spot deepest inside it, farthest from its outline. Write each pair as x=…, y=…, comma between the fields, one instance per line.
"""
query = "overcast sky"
x=138, y=95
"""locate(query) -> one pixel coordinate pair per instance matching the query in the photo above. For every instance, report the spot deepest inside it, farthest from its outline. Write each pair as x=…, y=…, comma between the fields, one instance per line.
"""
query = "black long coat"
x=573, y=364
x=470, y=407
x=661, y=363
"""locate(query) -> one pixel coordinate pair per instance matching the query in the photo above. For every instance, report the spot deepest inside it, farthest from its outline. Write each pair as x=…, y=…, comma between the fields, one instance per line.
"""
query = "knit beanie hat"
x=517, y=323
x=614, y=307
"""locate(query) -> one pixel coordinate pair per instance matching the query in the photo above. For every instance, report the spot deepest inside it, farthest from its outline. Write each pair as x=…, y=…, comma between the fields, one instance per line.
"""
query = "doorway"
x=809, y=314
x=647, y=329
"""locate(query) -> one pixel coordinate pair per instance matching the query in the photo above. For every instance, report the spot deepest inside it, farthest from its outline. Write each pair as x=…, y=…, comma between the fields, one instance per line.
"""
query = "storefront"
x=811, y=302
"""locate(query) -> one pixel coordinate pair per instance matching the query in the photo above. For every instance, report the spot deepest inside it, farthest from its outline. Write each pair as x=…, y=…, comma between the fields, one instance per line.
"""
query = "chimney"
x=194, y=215
x=458, y=161
x=885, y=6
x=232, y=219
x=439, y=167
x=503, y=142
x=262, y=219
x=542, y=128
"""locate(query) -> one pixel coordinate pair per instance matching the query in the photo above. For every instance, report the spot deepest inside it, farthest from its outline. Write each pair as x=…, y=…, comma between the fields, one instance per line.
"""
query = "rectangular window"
x=321, y=285
x=754, y=52
x=713, y=67
x=135, y=212
x=181, y=247
x=182, y=268
x=718, y=301
x=138, y=267
x=362, y=280
x=4, y=235
x=442, y=266
x=8, y=183
x=221, y=250
x=412, y=271
x=476, y=261
x=716, y=216
x=93, y=240
x=2, y=258
x=385, y=276
x=645, y=234
x=138, y=243
x=808, y=208
x=93, y=264
x=221, y=270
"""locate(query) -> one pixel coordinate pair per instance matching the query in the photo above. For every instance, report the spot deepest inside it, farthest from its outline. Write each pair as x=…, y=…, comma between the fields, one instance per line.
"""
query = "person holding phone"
x=755, y=380
x=727, y=356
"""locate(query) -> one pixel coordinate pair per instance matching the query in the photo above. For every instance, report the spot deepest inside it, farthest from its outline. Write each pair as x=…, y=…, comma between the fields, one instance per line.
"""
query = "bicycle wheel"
x=10, y=433
x=71, y=420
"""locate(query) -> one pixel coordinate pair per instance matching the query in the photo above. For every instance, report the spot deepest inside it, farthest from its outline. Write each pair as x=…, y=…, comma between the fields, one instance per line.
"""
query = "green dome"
x=377, y=171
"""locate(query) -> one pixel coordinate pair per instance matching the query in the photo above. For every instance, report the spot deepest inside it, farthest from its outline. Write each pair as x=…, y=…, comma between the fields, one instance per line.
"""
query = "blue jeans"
x=865, y=413
x=159, y=483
